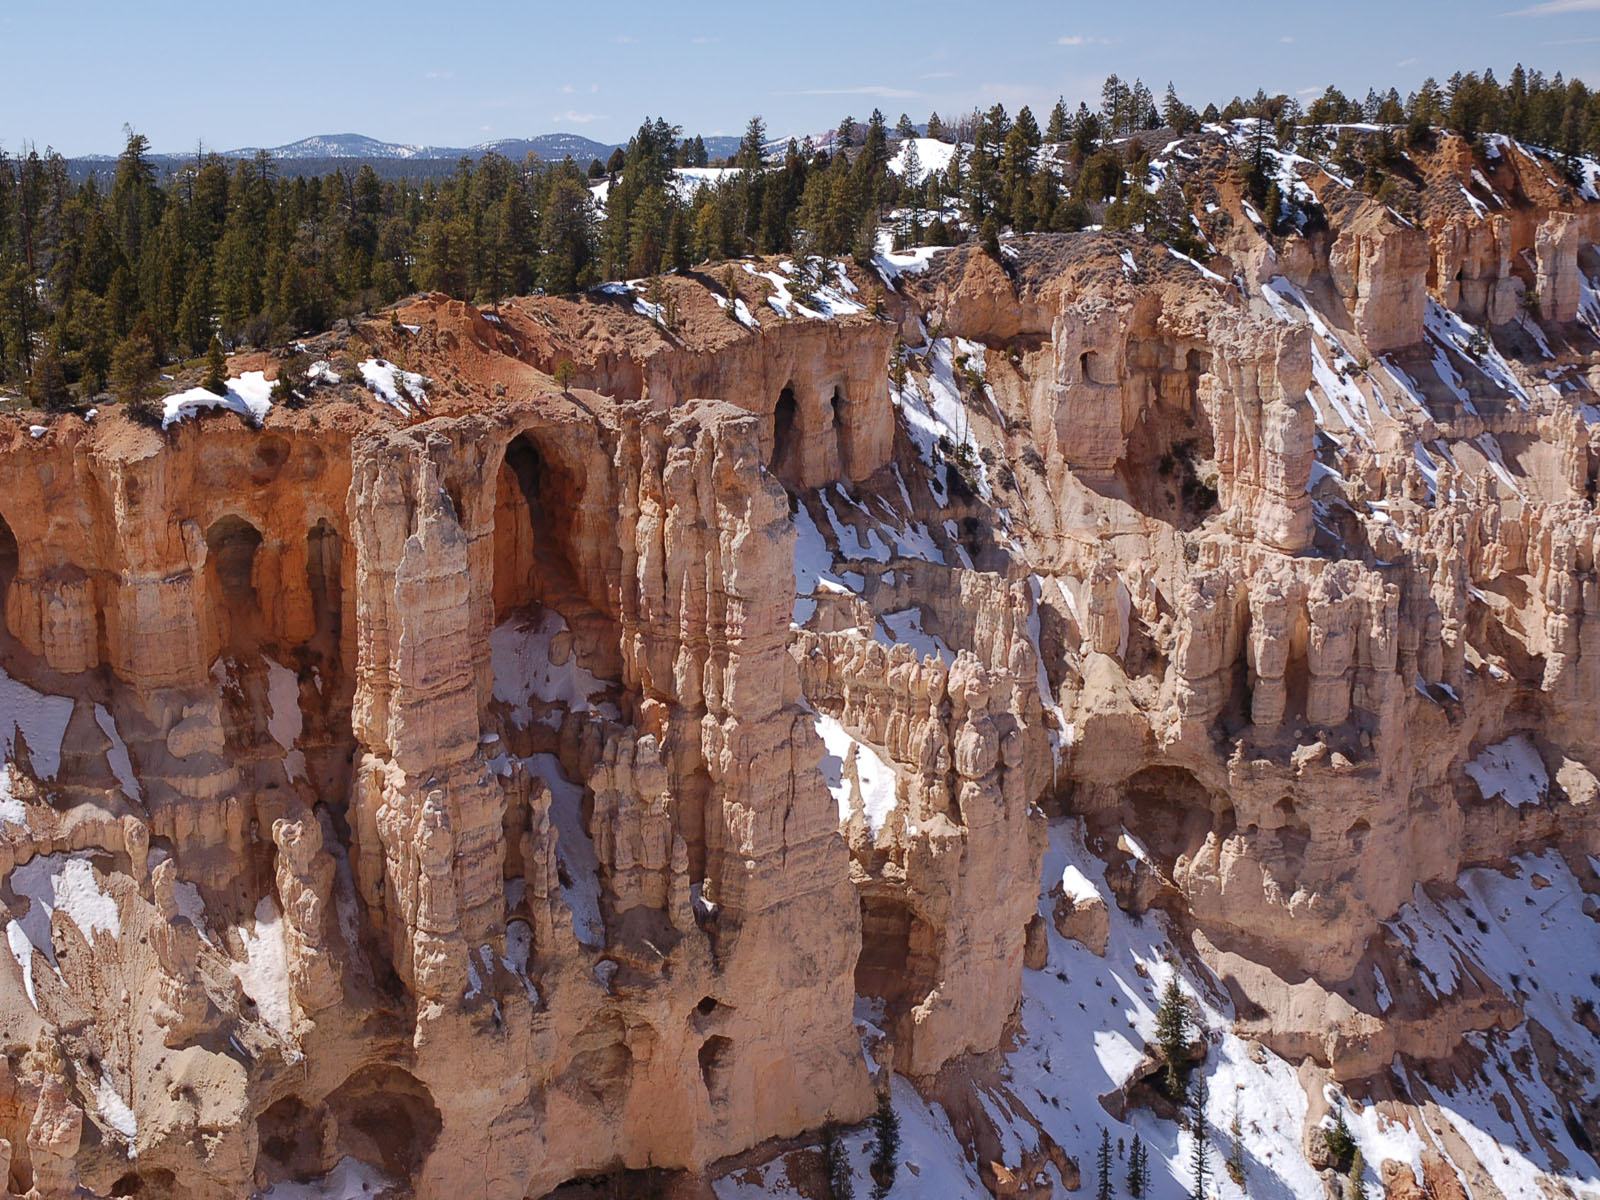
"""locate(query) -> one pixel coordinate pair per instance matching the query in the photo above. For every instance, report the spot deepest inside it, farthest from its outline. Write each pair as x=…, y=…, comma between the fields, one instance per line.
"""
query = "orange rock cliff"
x=464, y=786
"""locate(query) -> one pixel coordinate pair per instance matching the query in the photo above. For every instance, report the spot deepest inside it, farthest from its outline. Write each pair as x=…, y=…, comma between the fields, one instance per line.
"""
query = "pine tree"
x=910, y=167
x=48, y=387
x=216, y=377
x=1172, y=1034
x=936, y=128
x=1104, y=1189
x=1274, y=208
x=1358, y=1169
x=134, y=374
x=1116, y=104
x=836, y=1163
x=991, y=238
x=292, y=381
x=566, y=232
x=1341, y=1143
x=1236, y=1150
x=1059, y=125
x=1177, y=115
x=885, y=1146
x=1138, y=1169
x=1200, y=1159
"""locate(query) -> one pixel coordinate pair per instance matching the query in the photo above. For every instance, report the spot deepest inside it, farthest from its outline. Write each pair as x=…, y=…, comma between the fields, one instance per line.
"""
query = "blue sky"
x=450, y=74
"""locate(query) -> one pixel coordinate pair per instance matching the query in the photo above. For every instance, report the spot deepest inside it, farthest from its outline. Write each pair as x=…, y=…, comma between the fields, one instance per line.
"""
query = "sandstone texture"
x=512, y=786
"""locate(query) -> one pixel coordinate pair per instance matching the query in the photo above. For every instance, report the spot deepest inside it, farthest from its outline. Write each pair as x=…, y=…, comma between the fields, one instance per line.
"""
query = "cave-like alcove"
x=232, y=544
x=899, y=962
x=386, y=1117
x=785, y=460
x=9, y=557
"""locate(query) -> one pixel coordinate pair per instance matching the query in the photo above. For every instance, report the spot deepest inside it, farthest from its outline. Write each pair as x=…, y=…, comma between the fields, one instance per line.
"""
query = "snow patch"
x=580, y=884
x=283, y=696
x=875, y=774
x=114, y=1110
x=400, y=390
x=40, y=719
x=250, y=395
x=523, y=671
x=349, y=1180
x=264, y=973
x=1511, y=770
x=54, y=883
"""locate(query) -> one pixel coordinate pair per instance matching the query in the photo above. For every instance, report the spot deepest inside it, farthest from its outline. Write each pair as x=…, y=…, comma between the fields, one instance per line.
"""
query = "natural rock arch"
x=838, y=405
x=544, y=565
x=385, y=1116
x=325, y=582
x=899, y=962
x=9, y=557
x=232, y=547
x=290, y=1135
x=785, y=459
x=532, y=531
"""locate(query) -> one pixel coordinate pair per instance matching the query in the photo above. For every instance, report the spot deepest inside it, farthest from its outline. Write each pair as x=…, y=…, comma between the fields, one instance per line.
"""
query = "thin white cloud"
x=1081, y=39
x=1556, y=8
x=1287, y=39
x=705, y=41
x=441, y=75
x=578, y=118
x=886, y=93
x=623, y=39
x=1406, y=62
x=1311, y=91
x=937, y=75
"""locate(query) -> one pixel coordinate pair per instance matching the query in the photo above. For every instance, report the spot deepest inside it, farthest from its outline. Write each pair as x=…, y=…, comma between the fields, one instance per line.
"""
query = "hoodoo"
x=616, y=741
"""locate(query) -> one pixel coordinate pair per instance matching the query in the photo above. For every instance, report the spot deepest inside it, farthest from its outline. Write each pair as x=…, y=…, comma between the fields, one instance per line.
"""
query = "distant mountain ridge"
x=356, y=145
x=552, y=147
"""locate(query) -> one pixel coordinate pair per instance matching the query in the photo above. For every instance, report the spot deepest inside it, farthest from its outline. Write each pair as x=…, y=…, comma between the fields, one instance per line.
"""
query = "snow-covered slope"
x=1086, y=1023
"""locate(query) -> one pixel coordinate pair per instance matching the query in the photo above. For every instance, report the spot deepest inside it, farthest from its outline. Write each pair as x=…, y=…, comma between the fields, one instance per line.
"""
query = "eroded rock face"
x=682, y=923
x=538, y=784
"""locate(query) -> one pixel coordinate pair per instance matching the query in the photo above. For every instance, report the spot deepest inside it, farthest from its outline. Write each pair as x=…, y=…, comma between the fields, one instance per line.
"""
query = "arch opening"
x=324, y=579
x=290, y=1141
x=1089, y=367
x=1174, y=813
x=602, y=1067
x=533, y=522
x=1195, y=364
x=837, y=407
x=232, y=546
x=384, y=1116
x=10, y=557
x=153, y=1181
x=785, y=423
x=551, y=643
x=899, y=961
